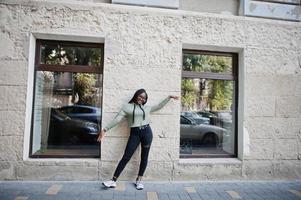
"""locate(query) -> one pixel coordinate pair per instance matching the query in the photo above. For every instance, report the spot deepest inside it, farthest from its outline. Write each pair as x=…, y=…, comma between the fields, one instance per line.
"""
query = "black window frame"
x=216, y=76
x=62, y=68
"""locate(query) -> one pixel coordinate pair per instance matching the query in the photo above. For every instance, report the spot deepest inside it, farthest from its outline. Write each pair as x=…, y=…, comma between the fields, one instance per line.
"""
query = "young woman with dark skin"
x=137, y=115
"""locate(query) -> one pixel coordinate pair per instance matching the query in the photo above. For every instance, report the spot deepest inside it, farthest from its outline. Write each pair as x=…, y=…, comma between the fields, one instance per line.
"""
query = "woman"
x=138, y=119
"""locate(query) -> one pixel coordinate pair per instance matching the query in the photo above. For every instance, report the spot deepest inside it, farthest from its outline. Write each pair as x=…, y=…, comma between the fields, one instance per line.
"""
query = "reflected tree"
x=83, y=83
x=84, y=86
x=189, y=94
x=60, y=55
x=219, y=93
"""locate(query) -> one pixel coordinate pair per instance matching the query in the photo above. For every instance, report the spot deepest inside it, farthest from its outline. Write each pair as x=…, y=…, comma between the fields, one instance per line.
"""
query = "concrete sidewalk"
x=209, y=190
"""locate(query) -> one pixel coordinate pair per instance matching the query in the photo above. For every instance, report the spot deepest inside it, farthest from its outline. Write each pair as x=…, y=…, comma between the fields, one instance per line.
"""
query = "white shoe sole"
x=138, y=188
x=108, y=186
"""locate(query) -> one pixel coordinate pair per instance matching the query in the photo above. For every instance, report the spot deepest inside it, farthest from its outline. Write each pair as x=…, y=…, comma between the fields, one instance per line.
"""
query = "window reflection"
x=207, y=63
x=207, y=121
x=66, y=114
x=58, y=54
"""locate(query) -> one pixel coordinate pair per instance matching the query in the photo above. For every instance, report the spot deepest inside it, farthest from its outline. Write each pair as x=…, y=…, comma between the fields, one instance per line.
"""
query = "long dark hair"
x=134, y=100
x=137, y=93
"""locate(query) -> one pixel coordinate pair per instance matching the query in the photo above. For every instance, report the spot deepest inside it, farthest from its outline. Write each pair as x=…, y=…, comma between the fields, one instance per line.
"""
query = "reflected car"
x=88, y=113
x=207, y=114
x=64, y=130
x=205, y=134
x=223, y=118
x=194, y=116
x=218, y=118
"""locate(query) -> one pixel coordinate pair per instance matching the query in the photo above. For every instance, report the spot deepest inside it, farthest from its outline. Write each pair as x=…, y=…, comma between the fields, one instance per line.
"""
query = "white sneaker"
x=110, y=184
x=139, y=185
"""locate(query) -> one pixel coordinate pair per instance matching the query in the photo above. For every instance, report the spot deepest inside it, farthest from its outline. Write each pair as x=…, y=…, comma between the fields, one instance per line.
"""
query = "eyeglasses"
x=142, y=97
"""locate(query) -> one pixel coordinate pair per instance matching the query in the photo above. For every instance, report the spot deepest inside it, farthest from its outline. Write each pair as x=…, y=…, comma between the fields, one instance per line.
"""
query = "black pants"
x=138, y=135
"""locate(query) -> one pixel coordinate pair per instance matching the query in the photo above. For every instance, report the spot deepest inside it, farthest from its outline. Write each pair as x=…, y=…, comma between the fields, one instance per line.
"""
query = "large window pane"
x=207, y=118
x=208, y=105
x=67, y=112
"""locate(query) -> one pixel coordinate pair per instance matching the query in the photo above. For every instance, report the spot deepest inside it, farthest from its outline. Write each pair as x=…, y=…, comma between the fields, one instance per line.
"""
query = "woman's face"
x=141, y=98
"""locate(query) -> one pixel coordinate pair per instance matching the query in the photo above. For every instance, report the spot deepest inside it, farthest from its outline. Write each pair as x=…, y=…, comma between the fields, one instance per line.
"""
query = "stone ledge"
x=28, y=172
x=61, y=162
x=207, y=161
x=207, y=171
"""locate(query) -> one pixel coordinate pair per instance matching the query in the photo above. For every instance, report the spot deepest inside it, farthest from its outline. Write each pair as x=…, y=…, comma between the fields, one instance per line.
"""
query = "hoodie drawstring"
x=134, y=112
x=142, y=111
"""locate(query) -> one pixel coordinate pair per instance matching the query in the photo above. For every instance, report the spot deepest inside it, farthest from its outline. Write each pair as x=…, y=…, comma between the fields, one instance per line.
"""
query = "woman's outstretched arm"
x=121, y=114
x=163, y=103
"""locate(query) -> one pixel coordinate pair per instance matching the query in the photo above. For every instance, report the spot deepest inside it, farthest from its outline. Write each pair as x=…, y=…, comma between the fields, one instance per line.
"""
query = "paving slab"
x=169, y=190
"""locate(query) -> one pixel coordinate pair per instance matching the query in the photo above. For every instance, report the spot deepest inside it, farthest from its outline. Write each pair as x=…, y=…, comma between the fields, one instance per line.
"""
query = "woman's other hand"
x=101, y=135
x=174, y=97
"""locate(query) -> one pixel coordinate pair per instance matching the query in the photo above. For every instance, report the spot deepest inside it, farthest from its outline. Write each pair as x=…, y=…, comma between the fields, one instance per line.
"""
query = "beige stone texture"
x=208, y=171
x=288, y=106
x=209, y=30
x=288, y=85
x=7, y=171
x=287, y=128
x=143, y=49
x=262, y=61
x=258, y=169
x=261, y=149
x=299, y=143
x=290, y=169
x=56, y=172
x=12, y=98
x=13, y=43
x=277, y=35
x=260, y=106
x=10, y=52
x=270, y=127
x=298, y=82
x=282, y=85
x=260, y=85
x=62, y=162
x=11, y=148
x=286, y=149
x=159, y=170
x=164, y=149
x=12, y=123
x=260, y=127
x=13, y=73
x=127, y=78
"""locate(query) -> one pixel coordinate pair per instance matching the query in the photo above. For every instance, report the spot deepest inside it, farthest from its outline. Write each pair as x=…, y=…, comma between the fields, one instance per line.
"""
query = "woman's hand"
x=174, y=97
x=101, y=135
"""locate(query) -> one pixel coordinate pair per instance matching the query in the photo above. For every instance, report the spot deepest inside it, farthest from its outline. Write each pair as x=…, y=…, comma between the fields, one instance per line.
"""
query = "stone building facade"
x=143, y=47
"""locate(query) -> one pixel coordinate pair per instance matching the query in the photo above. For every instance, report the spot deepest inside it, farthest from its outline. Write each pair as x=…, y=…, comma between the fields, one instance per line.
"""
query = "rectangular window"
x=67, y=99
x=208, y=105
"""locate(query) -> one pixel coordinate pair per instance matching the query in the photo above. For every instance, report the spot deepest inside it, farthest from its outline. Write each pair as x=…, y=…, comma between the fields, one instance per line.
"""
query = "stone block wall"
x=143, y=48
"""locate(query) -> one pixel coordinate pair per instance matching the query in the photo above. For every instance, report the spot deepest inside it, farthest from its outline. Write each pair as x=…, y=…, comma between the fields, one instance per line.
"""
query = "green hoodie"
x=139, y=119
